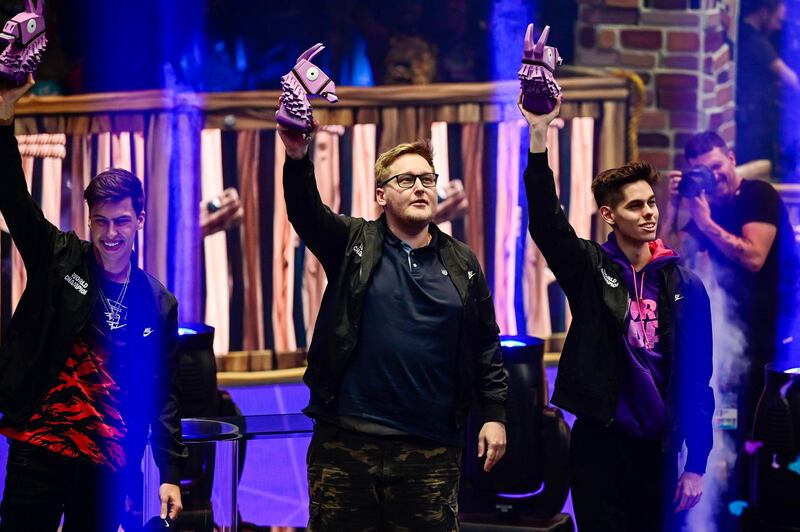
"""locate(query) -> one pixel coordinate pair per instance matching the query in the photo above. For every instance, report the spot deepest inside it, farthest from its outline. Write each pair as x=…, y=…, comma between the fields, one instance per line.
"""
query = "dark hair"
x=115, y=184
x=607, y=186
x=752, y=6
x=702, y=143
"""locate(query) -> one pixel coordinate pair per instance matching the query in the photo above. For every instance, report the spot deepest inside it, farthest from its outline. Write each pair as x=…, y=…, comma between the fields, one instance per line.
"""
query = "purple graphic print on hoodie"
x=640, y=408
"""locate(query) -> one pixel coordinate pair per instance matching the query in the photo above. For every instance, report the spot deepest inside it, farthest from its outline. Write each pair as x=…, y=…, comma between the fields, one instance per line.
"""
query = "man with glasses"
x=406, y=335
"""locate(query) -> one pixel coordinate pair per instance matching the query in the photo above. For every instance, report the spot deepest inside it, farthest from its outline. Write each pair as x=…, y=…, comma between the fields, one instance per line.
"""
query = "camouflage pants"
x=361, y=482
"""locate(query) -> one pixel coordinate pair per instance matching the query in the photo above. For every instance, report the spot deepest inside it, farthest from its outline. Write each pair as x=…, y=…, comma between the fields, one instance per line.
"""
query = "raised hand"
x=535, y=120
x=538, y=125
x=9, y=96
x=296, y=143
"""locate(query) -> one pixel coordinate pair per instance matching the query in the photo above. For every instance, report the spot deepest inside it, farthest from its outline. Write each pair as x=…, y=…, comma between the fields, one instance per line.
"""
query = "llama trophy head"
x=24, y=39
x=539, y=62
x=304, y=81
x=539, y=53
x=316, y=82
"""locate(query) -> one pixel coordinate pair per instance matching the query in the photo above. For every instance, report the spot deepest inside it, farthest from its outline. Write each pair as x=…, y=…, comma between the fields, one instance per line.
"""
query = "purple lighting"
x=522, y=495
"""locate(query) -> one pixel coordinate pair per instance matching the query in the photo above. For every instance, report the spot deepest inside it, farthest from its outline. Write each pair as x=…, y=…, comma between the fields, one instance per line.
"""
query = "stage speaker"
x=197, y=371
x=532, y=478
x=775, y=474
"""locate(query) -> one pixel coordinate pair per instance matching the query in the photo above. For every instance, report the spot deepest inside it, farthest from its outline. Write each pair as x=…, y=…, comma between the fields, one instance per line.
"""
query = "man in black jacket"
x=88, y=363
x=636, y=362
x=406, y=334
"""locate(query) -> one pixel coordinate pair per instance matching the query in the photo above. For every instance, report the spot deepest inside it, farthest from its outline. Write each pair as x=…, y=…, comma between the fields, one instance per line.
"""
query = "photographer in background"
x=744, y=227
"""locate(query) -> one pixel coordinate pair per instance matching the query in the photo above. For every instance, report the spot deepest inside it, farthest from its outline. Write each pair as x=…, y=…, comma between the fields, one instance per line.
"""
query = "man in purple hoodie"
x=636, y=362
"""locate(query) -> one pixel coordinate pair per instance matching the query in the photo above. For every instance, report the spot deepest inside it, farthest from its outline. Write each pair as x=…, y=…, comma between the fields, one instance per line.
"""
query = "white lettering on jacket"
x=75, y=281
x=610, y=281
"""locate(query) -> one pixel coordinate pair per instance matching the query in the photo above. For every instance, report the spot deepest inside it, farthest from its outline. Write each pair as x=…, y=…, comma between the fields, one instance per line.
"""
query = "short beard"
x=410, y=221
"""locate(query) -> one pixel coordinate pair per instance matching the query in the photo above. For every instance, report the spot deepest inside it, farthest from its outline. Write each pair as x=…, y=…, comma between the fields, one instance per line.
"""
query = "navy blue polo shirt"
x=404, y=371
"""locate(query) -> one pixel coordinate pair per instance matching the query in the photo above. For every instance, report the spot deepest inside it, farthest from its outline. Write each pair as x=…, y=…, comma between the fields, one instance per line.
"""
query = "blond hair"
x=421, y=147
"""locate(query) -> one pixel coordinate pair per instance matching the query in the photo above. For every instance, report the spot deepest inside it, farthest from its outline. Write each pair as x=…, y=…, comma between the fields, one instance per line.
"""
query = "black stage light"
x=775, y=478
x=197, y=371
x=198, y=398
x=532, y=478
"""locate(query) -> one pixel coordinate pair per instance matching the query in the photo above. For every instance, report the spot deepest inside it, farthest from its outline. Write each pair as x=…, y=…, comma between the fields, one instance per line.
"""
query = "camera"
x=695, y=180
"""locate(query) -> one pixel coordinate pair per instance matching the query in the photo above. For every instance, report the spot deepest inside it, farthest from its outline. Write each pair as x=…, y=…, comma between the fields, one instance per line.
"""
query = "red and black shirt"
x=80, y=416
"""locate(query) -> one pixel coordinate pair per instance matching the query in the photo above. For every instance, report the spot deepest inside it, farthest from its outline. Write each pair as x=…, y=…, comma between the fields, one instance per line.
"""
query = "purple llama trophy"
x=305, y=80
x=539, y=61
x=25, y=40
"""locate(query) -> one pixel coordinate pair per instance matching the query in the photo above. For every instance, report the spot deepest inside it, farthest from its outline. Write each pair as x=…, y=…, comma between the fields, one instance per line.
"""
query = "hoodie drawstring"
x=639, y=293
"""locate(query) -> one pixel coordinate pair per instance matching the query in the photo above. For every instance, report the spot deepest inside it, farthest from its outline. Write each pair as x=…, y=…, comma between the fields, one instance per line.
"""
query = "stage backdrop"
x=257, y=284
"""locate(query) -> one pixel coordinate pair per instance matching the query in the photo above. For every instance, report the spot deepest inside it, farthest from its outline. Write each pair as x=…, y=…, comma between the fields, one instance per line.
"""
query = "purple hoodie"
x=640, y=408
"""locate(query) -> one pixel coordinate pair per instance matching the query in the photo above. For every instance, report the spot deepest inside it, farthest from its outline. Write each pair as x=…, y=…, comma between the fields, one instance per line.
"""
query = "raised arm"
x=322, y=230
x=29, y=228
x=547, y=222
x=9, y=96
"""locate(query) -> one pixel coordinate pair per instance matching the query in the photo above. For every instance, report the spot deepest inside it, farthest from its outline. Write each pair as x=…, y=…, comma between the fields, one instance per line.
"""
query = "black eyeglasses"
x=407, y=180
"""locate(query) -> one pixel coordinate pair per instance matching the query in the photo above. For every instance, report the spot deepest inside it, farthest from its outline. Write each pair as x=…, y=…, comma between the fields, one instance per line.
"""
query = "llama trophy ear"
x=319, y=48
x=311, y=52
x=37, y=8
x=540, y=44
x=529, y=40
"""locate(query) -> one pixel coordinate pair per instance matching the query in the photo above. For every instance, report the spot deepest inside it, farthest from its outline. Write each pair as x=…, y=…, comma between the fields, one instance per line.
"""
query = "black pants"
x=619, y=482
x=42, y=485
x=359, y=482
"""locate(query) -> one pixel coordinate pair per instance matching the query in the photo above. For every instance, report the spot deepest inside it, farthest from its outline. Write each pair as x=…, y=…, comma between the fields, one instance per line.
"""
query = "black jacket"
x=587, y=382
x=348, y=248
x=61, y=293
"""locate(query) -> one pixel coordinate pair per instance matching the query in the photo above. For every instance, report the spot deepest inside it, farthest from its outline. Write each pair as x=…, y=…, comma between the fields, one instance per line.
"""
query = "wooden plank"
x=438, y=94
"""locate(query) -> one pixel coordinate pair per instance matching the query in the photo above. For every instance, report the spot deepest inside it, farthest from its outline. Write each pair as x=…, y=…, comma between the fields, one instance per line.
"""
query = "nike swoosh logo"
x=147, y=332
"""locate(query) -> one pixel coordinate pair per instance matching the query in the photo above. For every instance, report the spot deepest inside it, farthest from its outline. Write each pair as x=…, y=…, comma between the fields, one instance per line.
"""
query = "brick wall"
x=680, y=49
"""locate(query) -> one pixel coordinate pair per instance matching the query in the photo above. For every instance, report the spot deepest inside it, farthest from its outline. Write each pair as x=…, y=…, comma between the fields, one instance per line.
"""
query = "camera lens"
x=696, y=180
